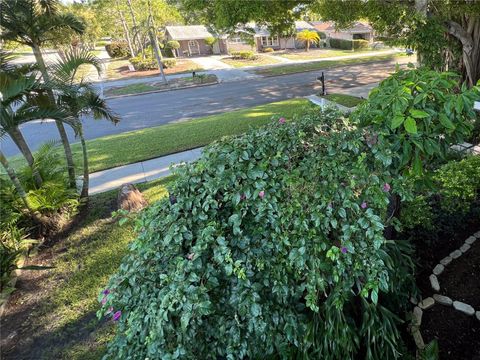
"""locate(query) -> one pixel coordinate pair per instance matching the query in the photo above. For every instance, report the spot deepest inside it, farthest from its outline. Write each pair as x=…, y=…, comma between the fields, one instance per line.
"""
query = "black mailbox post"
x=322, y=79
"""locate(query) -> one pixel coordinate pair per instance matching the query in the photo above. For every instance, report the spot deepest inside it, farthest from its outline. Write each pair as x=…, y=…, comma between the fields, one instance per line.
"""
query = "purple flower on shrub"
x=172, y=199
x=364, y=205
x=117, y=315
x=282, y=120
x=386, y=187
x=106, y=292
x=261, y=194
x=330, y=206
x=243, y=197
x=110, y=309
x=104, y=300
x=344, y=250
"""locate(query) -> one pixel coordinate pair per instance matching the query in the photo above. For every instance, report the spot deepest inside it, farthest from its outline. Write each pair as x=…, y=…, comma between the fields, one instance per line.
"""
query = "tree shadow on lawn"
x=52, y=313
x=76, y=339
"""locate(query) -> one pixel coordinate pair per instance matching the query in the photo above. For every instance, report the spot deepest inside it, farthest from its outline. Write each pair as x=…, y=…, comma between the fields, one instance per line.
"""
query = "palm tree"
x=32, y=23
x=78, y=99
x=19, y=104
x=308, y=37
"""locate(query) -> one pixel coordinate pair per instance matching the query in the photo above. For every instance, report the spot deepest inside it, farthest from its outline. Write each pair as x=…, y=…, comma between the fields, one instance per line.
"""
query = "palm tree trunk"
x=61, y=129
x=18, y=186
x=86, y=177
x=19, y=140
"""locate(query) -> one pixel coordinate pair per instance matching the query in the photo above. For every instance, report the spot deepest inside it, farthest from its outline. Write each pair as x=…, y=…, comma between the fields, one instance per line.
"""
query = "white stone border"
x=429, y=302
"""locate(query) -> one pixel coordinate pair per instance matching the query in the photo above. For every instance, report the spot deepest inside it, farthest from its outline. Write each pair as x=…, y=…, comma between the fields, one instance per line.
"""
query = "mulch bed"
x=458, y=335
x=460, y=280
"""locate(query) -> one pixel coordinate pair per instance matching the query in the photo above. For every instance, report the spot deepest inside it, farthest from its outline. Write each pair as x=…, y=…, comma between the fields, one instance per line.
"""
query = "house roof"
x=188, y=32
x=358, y=27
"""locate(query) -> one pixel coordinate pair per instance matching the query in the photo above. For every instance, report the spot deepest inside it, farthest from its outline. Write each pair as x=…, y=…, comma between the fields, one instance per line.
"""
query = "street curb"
x=160, y=90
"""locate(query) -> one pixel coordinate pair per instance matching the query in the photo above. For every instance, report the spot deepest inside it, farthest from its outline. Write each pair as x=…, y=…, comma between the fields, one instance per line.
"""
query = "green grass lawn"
x=129, y=147
x=322, y=64
x=345, y=100
x=63, y=320
x=321, y=53
x=172, y=84
x=259, y=61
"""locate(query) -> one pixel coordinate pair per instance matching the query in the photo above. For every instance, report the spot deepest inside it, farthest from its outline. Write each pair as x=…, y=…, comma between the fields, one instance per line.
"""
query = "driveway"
x=139, y=112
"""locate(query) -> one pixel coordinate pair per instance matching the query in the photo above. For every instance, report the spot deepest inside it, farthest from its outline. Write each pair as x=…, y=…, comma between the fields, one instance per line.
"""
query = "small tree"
x=210, y=41
x=308, y=37
x=173, y=45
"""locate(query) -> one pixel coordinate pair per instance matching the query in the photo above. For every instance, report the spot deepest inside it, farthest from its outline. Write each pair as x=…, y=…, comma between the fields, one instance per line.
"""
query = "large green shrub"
x=458, y=183
x=117, y=49
x=143, y=64
x=341, y=44
x=243, y=55
x=271, y=244
x=420, y=114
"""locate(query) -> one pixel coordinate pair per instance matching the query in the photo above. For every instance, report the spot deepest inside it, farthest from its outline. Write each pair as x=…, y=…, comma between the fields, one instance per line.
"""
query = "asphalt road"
x=138, y=112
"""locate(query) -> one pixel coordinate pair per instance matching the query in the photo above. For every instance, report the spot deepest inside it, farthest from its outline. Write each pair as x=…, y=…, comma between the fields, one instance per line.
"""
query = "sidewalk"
x=143, y=171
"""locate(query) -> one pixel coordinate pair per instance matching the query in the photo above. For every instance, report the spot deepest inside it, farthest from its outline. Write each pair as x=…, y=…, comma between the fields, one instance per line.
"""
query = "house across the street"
x=359, y=31
x=255, y=37
x=264, y=39
x=192, y=40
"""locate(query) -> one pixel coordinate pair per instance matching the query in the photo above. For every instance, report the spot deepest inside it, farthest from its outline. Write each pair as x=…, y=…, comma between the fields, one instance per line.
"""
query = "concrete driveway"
x=139, y=112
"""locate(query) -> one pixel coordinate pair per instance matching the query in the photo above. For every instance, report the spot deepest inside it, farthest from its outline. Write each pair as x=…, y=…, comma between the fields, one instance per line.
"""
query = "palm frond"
x=14, y=89
x=64, y=70
x=98, y=107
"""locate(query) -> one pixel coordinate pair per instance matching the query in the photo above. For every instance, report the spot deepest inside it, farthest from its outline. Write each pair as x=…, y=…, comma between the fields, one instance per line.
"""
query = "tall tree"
x=445, y=33
x=33, y=23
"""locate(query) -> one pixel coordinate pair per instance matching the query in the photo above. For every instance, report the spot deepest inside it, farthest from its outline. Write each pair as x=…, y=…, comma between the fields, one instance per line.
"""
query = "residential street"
x=138, y=112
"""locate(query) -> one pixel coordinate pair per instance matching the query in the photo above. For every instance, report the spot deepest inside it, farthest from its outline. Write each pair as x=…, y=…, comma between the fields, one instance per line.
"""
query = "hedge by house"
x=270, y=245
x=349, y=44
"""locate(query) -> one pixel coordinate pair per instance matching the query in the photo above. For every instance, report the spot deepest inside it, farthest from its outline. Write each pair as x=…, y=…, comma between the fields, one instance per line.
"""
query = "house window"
x=269, y=40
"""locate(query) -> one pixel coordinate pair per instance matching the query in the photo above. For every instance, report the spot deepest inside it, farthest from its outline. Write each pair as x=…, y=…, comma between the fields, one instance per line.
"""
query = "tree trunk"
x=19, y=140
x=308, y=45
x=125, y=30
x=86, y=177
x=61, y=129
x=156, y=49
x=134, y=21
x=470, y=39
x=18, y=186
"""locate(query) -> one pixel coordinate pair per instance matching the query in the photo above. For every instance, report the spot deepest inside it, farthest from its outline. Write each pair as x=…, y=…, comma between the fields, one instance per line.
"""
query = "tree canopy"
x=445, y=33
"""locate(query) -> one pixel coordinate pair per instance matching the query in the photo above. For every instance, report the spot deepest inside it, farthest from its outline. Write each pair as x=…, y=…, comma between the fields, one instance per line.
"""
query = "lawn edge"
x=160, y=90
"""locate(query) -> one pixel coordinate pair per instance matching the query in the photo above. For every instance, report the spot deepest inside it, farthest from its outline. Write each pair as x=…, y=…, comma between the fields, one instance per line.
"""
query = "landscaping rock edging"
x=436, y=298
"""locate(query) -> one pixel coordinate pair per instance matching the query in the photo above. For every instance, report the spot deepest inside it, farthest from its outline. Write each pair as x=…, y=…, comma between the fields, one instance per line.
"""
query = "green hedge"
x=243, y=55
x=149, y=63
x=349, y=44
